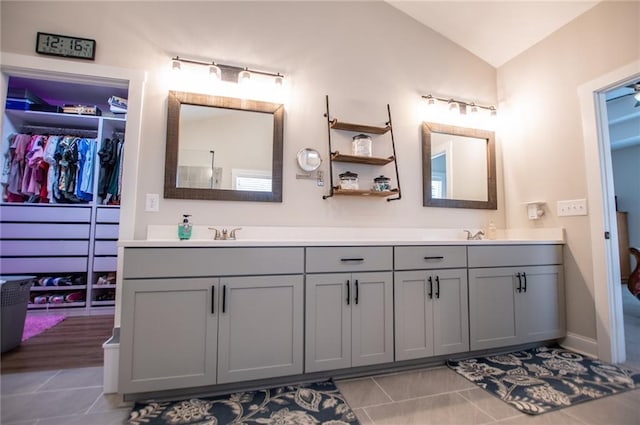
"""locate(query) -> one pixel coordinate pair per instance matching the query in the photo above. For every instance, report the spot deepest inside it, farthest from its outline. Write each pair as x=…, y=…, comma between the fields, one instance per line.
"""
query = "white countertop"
x=250, y=236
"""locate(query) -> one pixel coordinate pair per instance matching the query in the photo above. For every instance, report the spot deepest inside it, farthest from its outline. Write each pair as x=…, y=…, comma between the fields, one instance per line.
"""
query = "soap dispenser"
x=184, y=228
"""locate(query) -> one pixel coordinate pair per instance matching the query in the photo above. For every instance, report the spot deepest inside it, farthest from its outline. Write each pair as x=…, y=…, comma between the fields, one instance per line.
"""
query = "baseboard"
x=580, y=344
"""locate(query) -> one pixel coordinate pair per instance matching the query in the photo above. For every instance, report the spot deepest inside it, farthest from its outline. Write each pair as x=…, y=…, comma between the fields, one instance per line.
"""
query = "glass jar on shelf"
x=348, y=181
x=361, y=145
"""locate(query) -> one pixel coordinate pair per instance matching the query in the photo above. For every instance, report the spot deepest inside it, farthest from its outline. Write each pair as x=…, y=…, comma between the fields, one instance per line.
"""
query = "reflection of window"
x=436, y=189
x=253, y=180
x=439, y=176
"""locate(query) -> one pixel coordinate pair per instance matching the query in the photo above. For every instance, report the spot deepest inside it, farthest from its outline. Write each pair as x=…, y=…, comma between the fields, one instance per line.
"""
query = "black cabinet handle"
x=213, y=299
x=348, y=292
x=356, y=300
x=224, y=298
x=519, y=288
x=524, y=275
x=437, y=287
x=440, y=257
x=430, y=294
x=351, y=259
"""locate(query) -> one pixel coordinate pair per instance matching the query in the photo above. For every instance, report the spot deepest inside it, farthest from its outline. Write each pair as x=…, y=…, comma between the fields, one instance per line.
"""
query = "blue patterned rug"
x=545, y=378
x=307, y=404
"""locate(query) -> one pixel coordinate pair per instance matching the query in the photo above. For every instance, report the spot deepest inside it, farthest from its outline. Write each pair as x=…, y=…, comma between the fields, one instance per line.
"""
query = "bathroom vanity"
x=205, y=313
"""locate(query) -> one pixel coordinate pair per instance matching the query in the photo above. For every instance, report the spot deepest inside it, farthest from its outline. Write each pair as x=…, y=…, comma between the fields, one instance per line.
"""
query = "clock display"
x=66, y=46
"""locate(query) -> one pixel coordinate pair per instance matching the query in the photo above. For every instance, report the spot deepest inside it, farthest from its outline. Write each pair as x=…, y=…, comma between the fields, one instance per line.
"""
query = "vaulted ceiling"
x=498, y=31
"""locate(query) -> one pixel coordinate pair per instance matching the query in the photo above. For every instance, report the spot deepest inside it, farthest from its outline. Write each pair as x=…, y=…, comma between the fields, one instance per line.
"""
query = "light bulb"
x=215, y=72
x=175, y=65
x=454, y=107
x=278, y=80
x=493, y=110
x=244, y=77
x=474, y=108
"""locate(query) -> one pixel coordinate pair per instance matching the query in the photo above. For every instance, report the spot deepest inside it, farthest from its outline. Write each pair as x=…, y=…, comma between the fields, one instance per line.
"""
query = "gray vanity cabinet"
x=260, y=329
x=192, y=331
x=349, y=315
x=519, y=304
x=169, y=334
x=431, y=305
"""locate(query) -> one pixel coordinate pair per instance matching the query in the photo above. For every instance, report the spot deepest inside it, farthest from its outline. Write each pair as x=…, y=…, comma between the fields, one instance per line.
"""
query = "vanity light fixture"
x=459, y=106
x=227, y=72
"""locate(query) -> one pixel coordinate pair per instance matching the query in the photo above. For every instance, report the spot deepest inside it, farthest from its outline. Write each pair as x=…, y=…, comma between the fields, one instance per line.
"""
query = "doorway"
x=623, y=113
x=611, y=345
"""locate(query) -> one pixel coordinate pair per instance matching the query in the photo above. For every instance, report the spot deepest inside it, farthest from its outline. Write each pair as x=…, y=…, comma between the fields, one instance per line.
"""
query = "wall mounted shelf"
x=374, y=193
x=336, y=156
x=359, y=128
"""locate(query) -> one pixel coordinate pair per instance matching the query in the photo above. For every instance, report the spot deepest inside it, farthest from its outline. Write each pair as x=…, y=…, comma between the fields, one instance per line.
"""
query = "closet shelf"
x=104, y=286
x=52, y=119
x=359, y=128
x=103, y=303
x=57, y=288
x=355, y=159
x=61, y=305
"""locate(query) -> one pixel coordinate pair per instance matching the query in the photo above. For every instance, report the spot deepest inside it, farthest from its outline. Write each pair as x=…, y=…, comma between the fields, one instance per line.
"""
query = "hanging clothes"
x=17, y=152
x=52, y=173
x=108, y=154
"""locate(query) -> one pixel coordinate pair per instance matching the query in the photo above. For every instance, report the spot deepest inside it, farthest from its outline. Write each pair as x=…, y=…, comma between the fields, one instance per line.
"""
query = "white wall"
x=543, y=149
x=626, y=177
x=364, y=55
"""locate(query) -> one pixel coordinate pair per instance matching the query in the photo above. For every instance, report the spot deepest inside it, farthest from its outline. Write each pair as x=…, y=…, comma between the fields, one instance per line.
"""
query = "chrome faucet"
x=474, y=237
x=224, y=234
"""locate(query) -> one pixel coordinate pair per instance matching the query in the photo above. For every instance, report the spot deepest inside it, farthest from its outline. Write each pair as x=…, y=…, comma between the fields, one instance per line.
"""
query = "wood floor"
x=74, y=342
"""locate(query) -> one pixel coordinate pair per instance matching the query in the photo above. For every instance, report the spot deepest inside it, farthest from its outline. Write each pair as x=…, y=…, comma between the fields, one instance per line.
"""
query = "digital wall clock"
x=65, y=46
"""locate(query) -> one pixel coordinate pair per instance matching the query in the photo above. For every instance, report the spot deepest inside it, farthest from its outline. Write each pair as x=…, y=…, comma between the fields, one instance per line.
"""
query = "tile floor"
x=420, y=397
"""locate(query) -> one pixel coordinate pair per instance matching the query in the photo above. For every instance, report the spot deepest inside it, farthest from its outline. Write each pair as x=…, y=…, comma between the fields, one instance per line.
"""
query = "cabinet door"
x=260, y=329
x=492, y=307
x=413, y=299
x=168, y=334
x=371, y=318
x=328, y=322
x=541, y=309
x=450, y=312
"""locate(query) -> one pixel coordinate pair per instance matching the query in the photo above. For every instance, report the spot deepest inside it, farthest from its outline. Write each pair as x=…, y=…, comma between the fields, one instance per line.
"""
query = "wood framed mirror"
x=458, y=167
x=222, y=148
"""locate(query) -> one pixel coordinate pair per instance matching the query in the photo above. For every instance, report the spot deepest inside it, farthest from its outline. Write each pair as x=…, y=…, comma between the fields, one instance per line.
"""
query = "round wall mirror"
x=309, y=159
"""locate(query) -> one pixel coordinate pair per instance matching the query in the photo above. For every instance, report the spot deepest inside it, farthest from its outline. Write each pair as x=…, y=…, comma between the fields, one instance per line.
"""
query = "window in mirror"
x=458, y=167
x=223, y=148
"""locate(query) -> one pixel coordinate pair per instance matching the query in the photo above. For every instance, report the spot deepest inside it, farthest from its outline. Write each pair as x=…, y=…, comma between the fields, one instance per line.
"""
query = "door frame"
x=602, y=218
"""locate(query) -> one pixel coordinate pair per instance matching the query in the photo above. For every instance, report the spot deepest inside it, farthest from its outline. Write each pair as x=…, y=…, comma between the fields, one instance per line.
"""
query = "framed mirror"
x=458, y=167
x=222, y=148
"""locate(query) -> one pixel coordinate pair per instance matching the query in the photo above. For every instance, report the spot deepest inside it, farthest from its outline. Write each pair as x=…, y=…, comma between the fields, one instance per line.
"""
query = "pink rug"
x=33, y=325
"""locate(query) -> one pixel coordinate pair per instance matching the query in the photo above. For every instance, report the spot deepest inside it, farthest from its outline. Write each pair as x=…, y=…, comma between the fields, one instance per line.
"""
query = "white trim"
x=580, y=344
x=606, y=270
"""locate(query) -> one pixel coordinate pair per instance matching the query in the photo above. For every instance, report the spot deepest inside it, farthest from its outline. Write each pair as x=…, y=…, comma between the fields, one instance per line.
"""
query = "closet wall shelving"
x=337, y=157
x=73, y=241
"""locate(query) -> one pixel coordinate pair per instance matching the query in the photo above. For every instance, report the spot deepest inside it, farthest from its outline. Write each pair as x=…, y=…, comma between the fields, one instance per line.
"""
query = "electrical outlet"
x=152, y=202
x=572, y=207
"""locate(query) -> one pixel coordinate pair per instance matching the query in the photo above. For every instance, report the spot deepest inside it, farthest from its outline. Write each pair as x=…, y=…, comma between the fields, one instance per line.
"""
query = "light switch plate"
x=152, y=202
x=572, y=207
